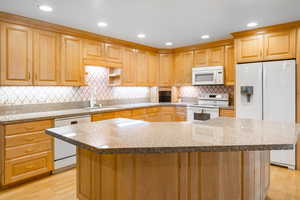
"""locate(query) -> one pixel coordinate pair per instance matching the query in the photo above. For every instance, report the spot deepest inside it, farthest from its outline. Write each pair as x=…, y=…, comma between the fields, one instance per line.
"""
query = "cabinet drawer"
x=167, y=117
x=153, y=117
x=25, y=150
x=167, y=109
x=103, y=116
x=227, y=113
x=153, y=110
x=140, y=111
x=26, y=167
x=28, y=138
x=181, y=109
x=13, y=129
x=139, y=117
x=180, y=117
x=124, y=113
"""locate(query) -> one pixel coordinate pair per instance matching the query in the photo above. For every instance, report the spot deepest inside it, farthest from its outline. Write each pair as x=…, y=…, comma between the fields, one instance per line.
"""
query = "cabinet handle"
x=28, y=150
x=29, y=128
x=29, y=75
x=29, y=139
x=29, y=167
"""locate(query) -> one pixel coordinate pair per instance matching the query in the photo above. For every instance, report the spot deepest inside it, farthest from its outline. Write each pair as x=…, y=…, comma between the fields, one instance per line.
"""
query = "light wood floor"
x=285, y=185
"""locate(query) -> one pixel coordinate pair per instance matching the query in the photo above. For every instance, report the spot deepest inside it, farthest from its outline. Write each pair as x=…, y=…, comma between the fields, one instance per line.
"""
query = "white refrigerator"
x=266, y=91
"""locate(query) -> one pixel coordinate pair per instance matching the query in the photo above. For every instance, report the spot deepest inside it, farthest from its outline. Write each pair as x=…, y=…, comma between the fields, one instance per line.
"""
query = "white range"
x=207, y=107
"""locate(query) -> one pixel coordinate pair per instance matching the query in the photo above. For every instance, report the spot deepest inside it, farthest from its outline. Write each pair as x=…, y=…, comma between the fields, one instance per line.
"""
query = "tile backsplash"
x=97, y=77
x=193, y=91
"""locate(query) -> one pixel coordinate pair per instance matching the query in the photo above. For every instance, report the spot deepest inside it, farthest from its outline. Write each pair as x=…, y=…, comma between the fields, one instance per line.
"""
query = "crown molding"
x=47, y=26
x=267, y=29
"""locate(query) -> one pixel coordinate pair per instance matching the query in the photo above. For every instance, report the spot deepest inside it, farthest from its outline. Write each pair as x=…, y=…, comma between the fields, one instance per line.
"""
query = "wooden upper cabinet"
x=229, y=65
x=16, y=55
x=129, y=64
x=94, y=53
x=216, y=56
x=183, y=63
x=165, y=69
x=141, y=68
x=249, y=49
x=178, y=69
x=46, y=58
x=201, y=58
x=71, y=60
x=153, y=68
x=188, y=58
x=280, y=45
x=113, y=55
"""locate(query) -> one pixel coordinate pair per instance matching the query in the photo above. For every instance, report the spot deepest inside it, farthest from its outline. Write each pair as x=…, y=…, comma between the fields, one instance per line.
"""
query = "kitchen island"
x=224, y=158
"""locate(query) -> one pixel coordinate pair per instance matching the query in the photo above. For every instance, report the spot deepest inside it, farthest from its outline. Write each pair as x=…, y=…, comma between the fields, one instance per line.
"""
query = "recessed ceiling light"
x=141, y=35
x=205, y=37
x=252, y=24
x=45, y=8
x=169, y=43
x=102, y=24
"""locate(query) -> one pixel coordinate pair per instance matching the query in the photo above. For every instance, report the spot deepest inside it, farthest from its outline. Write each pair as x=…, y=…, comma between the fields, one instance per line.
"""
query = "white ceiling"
x=179, y=21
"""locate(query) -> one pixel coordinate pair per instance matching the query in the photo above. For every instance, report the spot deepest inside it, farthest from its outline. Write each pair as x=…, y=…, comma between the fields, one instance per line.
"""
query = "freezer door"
x=279, y=91
x=249, y=75
x=279, y=101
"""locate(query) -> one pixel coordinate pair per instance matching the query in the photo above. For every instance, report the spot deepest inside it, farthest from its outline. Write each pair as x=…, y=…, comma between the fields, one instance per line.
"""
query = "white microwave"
x=213, y=75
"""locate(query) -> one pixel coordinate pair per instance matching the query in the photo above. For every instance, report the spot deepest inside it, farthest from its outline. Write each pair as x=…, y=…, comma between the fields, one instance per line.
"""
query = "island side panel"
x=256, y=174
x=176, y=176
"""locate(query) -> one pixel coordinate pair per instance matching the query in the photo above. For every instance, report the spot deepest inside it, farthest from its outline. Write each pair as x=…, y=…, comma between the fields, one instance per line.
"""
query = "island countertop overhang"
x=217, y=135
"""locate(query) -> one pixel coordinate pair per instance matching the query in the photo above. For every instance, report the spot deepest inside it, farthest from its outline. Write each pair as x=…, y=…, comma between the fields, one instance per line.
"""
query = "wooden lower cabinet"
x=103, y=116
x=27, y=167
x=151, y=114
x=173, y=176
x=227, y=112
x=26, y=151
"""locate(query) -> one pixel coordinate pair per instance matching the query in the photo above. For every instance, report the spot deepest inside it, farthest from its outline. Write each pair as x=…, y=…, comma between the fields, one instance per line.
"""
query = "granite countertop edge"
x=13, y=118
x=175, y=149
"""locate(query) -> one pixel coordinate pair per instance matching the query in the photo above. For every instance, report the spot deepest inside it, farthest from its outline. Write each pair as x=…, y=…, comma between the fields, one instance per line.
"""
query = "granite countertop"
x=217, y=135
x=16, y=118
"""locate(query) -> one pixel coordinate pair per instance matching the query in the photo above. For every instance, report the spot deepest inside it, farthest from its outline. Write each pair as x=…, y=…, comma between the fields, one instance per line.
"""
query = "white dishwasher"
x=65, y=153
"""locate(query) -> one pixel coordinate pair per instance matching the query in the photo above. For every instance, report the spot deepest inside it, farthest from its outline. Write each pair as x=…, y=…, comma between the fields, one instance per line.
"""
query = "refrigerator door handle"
x=264, y=88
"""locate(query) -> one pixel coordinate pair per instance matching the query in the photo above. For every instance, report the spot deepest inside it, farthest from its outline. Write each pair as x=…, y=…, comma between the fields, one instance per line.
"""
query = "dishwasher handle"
x=73, y=122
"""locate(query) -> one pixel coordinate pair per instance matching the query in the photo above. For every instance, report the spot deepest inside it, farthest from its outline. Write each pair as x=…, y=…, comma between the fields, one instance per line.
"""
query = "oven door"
x=202, y=114
x=204, y=77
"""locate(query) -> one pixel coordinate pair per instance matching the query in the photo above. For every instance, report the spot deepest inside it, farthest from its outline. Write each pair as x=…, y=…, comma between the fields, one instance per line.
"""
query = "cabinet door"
x=113, y=55
x=229, y=65
x=46, y=58
x=179, y=69
x=153, y=69
x=165, y=69
x=188, y=58
x=280, y=45
x=141, y=68
x=249, y=49
x=216, y=56
x=201, y=58
x=128, y=70
x=16, y=55
x=93, y=52
x=71, y=57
